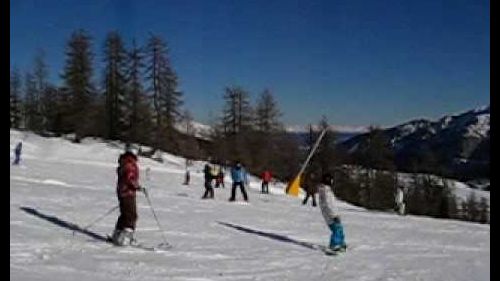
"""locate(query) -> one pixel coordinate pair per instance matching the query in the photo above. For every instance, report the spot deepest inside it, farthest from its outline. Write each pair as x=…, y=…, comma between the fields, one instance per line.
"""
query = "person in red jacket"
x=266, y=178
x=128, y=185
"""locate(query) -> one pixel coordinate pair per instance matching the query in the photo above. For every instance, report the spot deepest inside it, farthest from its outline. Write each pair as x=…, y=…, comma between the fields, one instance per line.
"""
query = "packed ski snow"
x=60, y=186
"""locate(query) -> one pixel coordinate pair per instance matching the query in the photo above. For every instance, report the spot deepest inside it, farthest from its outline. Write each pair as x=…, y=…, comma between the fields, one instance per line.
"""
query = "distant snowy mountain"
x=461, y=142
x=343, y=132
x=336, y=128
x=203, y=131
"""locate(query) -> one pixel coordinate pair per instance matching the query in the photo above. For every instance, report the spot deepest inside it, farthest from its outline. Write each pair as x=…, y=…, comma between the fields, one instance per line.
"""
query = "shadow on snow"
x=270, y=235
x=62, y=223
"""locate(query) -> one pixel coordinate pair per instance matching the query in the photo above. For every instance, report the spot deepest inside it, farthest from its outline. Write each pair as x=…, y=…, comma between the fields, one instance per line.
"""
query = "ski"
x=153, y=248
x=328, y=251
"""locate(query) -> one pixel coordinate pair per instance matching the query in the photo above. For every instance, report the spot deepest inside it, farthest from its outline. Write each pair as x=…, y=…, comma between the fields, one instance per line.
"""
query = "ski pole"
x=98, y=219
x=156, y=218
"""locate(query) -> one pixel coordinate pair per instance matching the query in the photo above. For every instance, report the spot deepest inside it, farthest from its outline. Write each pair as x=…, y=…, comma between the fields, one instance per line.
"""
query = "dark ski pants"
x=17, y=159
x=128, y=213
x=307, y=198
x=187, y=178
x=265, y=187
x=242, y=188
x=209, y=190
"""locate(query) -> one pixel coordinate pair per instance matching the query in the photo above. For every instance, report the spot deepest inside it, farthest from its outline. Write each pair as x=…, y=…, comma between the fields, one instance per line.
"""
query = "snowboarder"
x=209, y=190
x=239, y=177
x=310, y=186
x=266, y=178
x=127, y=186
x=219, y=180
x=330, y=214
x=17, y=153
x=399, y=200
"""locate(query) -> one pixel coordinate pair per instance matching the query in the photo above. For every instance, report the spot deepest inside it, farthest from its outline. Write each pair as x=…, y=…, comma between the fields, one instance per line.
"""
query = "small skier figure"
x=127, y=186
x=187, y=177
x=239, y=177
x=17, y=153
x=219, y=180
x=310, y=186
x=331, y=216
x=266, y=178
x=209, y=190
x=399, y=200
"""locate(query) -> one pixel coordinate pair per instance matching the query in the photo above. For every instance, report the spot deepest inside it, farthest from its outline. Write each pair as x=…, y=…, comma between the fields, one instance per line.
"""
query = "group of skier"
x=128, y=185
x=238, y=176
x=211, y=174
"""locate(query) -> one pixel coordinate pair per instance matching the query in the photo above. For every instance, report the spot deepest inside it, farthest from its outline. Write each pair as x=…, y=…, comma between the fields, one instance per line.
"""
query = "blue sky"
x=357, y=62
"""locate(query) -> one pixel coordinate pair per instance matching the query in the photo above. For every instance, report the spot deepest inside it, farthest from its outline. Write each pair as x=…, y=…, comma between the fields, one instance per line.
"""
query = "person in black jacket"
x=310, y=186
x=209, y=190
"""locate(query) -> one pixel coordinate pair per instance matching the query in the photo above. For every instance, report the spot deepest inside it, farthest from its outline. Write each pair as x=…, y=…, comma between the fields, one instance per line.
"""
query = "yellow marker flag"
x=294, y=186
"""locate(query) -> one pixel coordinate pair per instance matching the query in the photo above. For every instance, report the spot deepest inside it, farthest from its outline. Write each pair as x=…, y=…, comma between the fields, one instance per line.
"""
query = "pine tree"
x=472, y=207
x=416, y=196
x=15, y=99
x=376, y=152
x=383, y=189
x=77, y=78
x=163, y=87
x=267, y=114
x=115, y=86
x=484, y=213
x=445, y=208
x=453, y=211
x=32, y=114
x=237, y=114
x=139, y=108
x=326, y=158
x=40, y=75
x=52, y=111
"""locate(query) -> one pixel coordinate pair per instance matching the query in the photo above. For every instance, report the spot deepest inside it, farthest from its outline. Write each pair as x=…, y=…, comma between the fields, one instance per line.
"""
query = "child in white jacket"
x=330, y=213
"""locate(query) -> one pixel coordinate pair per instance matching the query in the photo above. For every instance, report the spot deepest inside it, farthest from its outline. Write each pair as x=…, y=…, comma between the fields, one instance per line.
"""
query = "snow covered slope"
x=60, y=184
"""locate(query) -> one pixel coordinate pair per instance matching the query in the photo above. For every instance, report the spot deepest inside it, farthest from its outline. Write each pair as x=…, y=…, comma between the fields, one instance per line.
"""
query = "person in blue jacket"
x=330, y=213
x=239, y=177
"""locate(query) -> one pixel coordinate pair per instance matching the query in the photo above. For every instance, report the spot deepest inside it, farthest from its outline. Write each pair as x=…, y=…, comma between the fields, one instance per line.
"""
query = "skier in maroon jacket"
x=128, y=185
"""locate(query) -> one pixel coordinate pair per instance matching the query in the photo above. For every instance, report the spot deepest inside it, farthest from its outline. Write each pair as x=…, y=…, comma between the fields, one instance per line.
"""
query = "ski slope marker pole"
x=295, y=183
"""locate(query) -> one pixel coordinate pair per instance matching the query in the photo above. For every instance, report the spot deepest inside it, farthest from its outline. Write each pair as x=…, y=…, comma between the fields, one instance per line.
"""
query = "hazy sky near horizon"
x=357, y=62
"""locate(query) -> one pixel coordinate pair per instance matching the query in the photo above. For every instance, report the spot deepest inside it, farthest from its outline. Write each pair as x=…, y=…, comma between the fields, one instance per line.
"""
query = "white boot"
x=128, y=236
x=123, y=237
x=117, y=237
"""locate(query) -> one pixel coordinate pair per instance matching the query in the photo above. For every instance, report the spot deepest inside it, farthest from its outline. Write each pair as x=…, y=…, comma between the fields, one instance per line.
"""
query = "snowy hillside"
x=199, y=130
x=60, y=184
